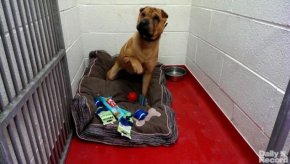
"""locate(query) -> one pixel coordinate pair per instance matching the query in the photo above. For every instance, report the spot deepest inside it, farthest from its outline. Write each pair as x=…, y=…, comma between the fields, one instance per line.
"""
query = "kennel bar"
x=47, y=10
x=31, y=34
x=46, y=29
x=38, y=32
x=6, y=85
x=35, y=97
x=13, y=42
x=16, y=24
x=43, y=29
x=52, y=8
x=31, y=136
x=9, y=61
x=27, y=42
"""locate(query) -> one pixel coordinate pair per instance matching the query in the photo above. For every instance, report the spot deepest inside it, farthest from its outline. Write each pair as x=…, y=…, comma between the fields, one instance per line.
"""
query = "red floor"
x=205, y=136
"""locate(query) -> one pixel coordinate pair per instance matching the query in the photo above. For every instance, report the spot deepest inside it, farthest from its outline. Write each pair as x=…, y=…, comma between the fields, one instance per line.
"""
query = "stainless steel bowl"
x=174, y=73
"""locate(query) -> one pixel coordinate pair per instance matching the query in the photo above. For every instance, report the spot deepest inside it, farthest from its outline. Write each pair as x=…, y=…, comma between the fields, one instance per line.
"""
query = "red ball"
x=132, y=96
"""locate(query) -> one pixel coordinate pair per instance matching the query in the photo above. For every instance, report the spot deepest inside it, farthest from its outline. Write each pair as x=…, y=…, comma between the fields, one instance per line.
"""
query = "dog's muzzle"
x=144, y=29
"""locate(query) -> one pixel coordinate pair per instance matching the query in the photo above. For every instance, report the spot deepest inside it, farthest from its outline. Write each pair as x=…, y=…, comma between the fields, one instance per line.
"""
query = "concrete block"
x=74, y=58
x=173, y=44
x=74, y=24
x=268, y=53
x=194, y=69
x=225, y=104
x=262, y=48
x=108, y=18
x=70, y=24
x=66, y=4
x=136, y=2
x=211, y=87
x=200, y=22
x=65, y=26
x=192, y=47
x=230, y=34
x=209, y=59
x=113, y=42
x=225, y=5
x=123, y=18
x=179, y=17
x=250, y=131
x=217, y=94
x=270, y=11
x=258, y=99
x=171, y=60
x=62, y=4
x=76, y=79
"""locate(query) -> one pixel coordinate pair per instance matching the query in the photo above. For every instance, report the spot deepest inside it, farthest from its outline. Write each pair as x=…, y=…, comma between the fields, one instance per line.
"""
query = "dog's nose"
x=144, y=22
x=144, y=28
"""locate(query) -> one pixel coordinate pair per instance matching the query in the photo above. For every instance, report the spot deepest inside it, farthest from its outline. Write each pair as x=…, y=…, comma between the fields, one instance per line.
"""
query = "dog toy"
x=105, y=115
x=140, y=114
x=132, y=96
x=123, y=116
x=151, y=112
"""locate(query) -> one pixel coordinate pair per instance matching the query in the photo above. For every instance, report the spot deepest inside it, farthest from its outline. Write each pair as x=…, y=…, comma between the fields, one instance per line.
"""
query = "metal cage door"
x=35, y=93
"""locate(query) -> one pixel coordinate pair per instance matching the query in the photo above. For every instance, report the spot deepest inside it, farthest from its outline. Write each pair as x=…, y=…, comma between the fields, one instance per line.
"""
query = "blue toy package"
x=106, y=108
x=105, y=115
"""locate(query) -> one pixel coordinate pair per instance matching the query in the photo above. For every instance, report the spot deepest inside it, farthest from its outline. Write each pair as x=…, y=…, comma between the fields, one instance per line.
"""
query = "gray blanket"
x=159, y=130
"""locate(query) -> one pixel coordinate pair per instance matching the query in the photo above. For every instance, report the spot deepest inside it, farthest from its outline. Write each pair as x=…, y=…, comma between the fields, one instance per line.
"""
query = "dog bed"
x=159, y=130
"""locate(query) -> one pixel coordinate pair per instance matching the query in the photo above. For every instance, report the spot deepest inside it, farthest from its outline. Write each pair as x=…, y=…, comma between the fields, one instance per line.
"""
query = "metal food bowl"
x=174, y=73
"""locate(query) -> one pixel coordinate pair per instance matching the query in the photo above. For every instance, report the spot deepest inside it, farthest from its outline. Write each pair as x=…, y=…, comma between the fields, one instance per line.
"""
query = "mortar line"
x=243, y=65
x=257, y=20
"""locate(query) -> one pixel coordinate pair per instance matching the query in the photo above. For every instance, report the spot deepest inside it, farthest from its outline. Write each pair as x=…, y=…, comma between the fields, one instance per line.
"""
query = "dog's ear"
x=164, y=14
x=141, y=9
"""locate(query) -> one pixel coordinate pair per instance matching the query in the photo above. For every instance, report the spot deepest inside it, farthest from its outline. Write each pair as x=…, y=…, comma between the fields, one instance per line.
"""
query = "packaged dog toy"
x=109, y=111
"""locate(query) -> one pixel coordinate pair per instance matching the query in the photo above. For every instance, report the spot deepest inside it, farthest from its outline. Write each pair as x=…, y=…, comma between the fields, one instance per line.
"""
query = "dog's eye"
x=143, y=14
x=156, y=19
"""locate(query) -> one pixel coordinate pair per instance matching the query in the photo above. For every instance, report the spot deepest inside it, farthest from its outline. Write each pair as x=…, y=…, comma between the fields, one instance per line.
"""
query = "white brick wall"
x=239, y=52
x=109, y=24
x=70, y=19
x=271, y=11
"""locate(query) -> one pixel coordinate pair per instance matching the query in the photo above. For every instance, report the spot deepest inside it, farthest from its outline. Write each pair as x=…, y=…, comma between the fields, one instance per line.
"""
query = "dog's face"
x=151, y=23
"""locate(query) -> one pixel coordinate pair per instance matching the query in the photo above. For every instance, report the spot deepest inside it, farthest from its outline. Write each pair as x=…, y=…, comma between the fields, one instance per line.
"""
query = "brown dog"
x=140, y=54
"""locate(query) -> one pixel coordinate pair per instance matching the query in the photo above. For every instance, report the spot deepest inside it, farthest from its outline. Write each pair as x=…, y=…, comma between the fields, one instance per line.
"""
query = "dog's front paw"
x=110, y=75
x=137, y=67
x=126, y=60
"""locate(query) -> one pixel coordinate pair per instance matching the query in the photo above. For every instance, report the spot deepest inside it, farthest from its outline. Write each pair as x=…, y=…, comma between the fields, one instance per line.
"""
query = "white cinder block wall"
x=109, y=24
x=70, y=19
x=239, y=52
